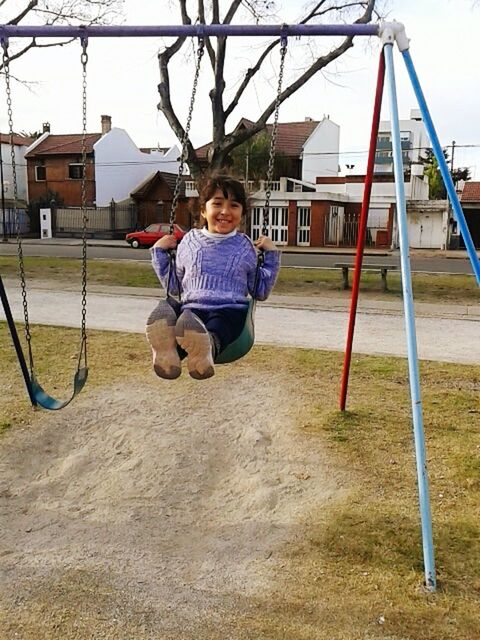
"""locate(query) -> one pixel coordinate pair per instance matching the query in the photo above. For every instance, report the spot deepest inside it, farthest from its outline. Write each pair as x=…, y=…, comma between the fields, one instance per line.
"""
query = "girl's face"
x=222, y=214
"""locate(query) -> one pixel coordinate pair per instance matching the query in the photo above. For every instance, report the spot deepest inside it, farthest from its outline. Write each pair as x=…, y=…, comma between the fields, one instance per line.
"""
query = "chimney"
x=46, y=127
x=106, y=124
x=308, y=119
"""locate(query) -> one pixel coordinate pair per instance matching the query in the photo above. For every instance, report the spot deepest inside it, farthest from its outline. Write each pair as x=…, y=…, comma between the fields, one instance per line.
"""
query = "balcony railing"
x=386, y=145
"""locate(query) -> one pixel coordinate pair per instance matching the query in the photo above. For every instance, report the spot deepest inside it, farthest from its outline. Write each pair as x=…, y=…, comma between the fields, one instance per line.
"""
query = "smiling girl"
x=215, y=268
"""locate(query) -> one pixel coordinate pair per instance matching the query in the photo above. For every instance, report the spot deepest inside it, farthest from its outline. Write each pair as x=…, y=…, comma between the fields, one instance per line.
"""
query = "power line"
x=380, y=152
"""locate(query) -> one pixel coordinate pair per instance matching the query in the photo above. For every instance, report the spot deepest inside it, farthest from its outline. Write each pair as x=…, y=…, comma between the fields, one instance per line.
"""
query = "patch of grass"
x=357, y=571
x=426, y=287
x=354, y=569
x=4, y=426
x=104, y=272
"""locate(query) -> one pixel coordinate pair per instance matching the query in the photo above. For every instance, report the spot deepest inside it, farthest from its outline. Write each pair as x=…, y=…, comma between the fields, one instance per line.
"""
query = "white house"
x=20, y=146
x=120, y=166
x=320, y=151
x=414, y=141
x=307, y=148
x=8, y=220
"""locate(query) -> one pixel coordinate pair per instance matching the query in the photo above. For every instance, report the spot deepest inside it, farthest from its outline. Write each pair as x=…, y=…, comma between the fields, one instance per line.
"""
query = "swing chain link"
x=84, y=61
x=273, y=138
x=21, y=262
x=185, y=138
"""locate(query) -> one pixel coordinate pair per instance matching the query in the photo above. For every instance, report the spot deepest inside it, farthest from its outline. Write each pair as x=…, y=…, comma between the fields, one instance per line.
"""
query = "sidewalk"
x=314, y=303
x=445, y=333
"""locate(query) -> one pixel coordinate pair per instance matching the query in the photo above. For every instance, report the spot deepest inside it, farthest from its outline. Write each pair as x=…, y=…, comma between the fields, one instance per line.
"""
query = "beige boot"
x=160, y=333
x=193, y=337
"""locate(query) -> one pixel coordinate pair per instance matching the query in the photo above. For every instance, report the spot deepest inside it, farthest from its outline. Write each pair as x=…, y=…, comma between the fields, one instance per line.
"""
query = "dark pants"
x=226, y=324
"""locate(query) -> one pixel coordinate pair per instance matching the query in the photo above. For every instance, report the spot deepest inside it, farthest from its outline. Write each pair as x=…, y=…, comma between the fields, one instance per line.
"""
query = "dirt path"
x=133, y=515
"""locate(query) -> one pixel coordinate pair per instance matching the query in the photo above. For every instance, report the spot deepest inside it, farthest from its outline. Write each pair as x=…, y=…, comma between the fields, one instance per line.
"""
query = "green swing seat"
x=44, y=400
x=242, y=345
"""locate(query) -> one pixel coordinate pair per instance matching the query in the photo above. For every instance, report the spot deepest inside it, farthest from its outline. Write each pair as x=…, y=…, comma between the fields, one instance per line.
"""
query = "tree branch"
x=315, y=12
x=232, y=11
x=31, y=5
x=256, y=67
x=234, y=139
x=208, y=42
x=165, y=104
x=65, y=11
x=248, y=76
x=216, y=94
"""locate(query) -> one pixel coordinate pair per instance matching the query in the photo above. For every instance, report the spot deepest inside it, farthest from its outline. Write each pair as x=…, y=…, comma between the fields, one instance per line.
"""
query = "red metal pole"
x=362, y=230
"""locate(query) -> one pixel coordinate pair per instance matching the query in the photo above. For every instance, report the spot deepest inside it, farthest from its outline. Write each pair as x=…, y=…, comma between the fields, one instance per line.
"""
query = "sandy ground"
x=158, y=518
x=136, y=515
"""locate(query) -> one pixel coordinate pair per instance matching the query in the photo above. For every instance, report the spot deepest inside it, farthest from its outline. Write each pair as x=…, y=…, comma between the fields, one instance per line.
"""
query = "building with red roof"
x=470, y=201
x=305, y=149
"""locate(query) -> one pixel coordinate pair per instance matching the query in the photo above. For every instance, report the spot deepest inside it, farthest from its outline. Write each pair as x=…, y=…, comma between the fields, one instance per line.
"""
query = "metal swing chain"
x=21, y=263
x=183, y=156
x=271, y=161
x=178, y=182
x=83, y=342
x=273, y=138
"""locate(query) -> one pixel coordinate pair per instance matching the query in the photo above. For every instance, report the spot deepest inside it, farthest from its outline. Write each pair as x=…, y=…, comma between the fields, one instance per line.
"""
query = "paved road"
x=450, y=334
x=432, y=264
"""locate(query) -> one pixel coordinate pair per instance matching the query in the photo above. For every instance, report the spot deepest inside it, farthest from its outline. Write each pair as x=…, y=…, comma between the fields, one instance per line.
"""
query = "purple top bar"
x=96, y=31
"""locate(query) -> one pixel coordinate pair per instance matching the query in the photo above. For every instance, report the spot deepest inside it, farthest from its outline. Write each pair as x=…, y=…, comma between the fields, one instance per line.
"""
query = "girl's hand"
x=265, y=244
x=166, y=243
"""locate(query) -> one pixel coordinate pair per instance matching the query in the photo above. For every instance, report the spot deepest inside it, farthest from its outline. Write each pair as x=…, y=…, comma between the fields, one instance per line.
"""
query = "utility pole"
x=452, y=225
x=4, y=228
x=453, y=153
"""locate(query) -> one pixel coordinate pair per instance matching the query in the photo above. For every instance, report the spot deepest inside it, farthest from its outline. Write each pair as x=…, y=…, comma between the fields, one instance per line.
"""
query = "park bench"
x=383, y=268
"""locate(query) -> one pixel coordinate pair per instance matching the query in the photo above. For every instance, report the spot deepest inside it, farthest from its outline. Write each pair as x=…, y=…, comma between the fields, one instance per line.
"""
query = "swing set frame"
x=389, y=33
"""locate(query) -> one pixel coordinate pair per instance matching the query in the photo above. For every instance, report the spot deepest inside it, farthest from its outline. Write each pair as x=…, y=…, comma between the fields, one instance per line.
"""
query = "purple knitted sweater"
x=217, y=273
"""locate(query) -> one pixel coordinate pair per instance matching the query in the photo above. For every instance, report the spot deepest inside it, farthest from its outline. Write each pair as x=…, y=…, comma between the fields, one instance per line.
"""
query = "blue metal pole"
x=199, y=30
x=442, y=165
x=415, y=394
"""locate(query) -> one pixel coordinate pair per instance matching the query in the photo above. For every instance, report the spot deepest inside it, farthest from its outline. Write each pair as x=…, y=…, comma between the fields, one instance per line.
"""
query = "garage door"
x=425, y=231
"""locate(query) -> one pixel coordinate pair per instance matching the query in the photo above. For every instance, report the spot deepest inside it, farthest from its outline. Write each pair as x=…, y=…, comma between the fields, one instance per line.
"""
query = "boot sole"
x=160, y=332
x=194, y=338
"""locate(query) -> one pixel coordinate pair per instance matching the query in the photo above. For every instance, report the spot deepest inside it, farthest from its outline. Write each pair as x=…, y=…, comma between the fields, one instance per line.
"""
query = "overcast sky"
x=123, y=78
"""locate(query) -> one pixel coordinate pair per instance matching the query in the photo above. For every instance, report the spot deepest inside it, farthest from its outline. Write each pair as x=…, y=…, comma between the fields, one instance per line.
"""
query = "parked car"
x=152, y=233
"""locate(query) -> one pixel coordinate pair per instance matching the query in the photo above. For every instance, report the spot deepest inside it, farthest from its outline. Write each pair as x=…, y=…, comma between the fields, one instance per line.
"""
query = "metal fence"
x=108, y=221
x=341, y=227
x=8, y=224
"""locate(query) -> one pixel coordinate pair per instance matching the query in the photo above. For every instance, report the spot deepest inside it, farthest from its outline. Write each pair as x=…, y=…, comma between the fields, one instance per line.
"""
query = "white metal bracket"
x=390, y=32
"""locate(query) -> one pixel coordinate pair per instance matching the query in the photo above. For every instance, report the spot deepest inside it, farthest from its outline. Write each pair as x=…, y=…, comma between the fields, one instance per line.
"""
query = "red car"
x=152, y=233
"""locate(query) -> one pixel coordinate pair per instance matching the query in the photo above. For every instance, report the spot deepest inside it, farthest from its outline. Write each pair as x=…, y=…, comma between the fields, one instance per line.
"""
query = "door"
x=303, y=226
x=334, y=226
x=277, y=227
x=425, y=231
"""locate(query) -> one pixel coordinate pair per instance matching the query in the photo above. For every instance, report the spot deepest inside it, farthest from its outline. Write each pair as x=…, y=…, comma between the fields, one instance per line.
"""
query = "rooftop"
x=64, y=144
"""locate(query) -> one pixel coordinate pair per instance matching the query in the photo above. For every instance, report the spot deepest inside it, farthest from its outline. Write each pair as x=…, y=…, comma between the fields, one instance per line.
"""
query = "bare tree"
x=49, y=12
x=223, y=143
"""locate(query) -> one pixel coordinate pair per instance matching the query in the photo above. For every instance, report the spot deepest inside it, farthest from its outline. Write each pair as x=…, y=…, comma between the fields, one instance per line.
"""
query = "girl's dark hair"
x=230, y=188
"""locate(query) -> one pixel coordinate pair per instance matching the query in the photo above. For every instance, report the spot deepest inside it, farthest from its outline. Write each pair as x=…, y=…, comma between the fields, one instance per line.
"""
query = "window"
x=40, y=173
x=75, y=171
